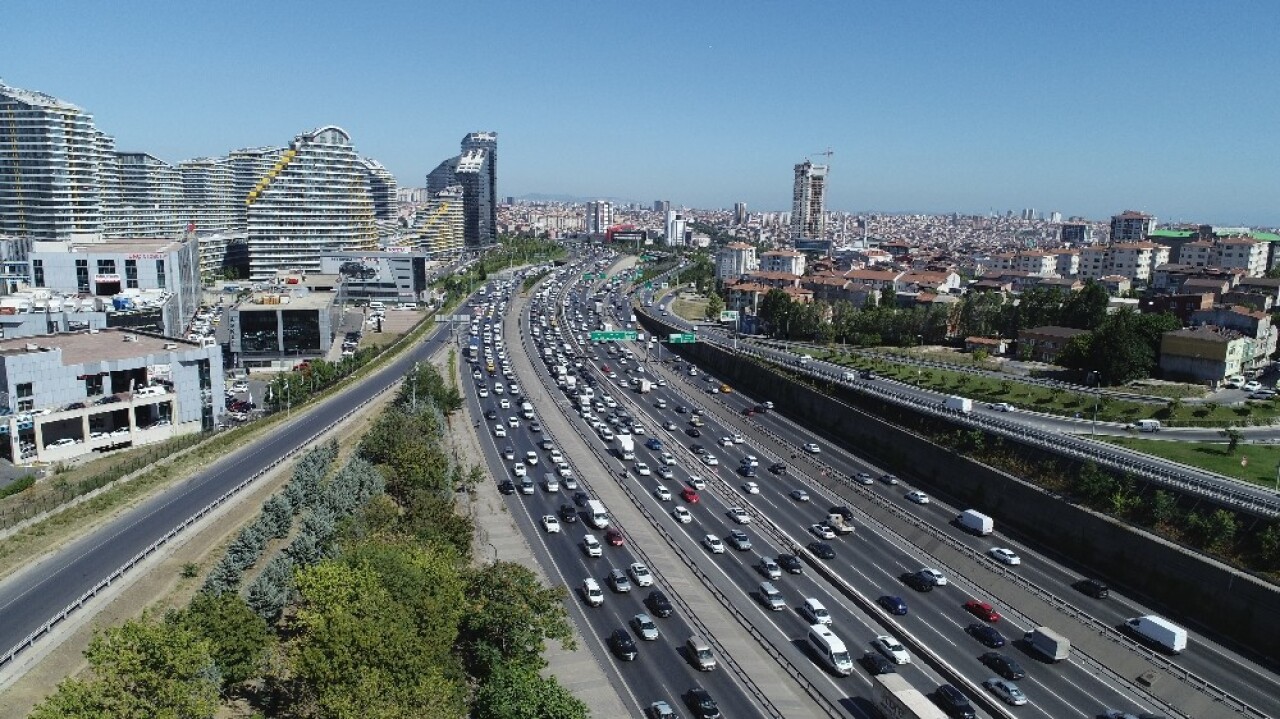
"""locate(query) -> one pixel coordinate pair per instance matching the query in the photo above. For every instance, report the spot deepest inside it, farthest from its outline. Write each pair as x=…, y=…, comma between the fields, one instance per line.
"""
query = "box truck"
x=644, y=386
x=894, y=696
x=596, y=514
x=1159, y=631
x=1051, y=645
x=976, y=522
x=626, y=447
x=956, y=403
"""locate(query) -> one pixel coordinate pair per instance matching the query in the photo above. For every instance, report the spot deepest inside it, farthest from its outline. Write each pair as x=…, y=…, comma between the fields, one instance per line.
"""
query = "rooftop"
x=271, y=301
x=82, y=347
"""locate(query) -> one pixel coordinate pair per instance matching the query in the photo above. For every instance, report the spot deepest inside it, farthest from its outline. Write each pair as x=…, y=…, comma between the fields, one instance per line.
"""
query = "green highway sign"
x=622, y=335
x=681, y=339
x=648, y=285
x=589, y=277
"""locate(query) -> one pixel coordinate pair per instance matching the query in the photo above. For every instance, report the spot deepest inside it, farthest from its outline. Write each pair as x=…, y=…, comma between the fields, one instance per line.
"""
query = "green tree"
x=1086, y=308
x=1164, y=507
x=714, y=306
x=139, y=670
x=1269, y=544
x=238, y=638
x=509, y=618
x=1233, y=436
x=775, y=312
x=520, y=693
x=1221, y=531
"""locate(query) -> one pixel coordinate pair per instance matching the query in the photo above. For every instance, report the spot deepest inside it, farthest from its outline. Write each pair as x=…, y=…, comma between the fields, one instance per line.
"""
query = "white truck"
x=976, y=522
x=956, y=403
x=626, y=447
x=838, y=523
x=561, y=370
x=894, y=696
x=1051, y=645
x=644, y=386
x=1159, y=631
x=596, y=514
x=570, y=382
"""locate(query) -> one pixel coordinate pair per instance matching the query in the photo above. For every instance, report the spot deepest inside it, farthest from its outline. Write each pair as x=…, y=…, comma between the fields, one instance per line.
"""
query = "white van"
x=526, y=409
x=1148, y=425
x=830, y=649
x=592, y=593
x=813, y=610
x=377, y=306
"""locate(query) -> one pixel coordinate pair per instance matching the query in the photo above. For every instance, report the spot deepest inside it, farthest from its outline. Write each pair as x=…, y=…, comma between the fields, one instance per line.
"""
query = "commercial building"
x=436, y=228
x=50, y=154
x=808, y=197
x=69, y=394
x=598, y=218
x=1131, y=226
x=475, y=170
x=390, y=277
x=740, y=213
x=290, y=322
x=313, y=201
x=662, y=207
x=735, y=260
x=675, y=229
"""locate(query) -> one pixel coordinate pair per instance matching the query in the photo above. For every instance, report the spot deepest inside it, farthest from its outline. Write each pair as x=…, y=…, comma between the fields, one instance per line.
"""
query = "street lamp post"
x=1097, y=396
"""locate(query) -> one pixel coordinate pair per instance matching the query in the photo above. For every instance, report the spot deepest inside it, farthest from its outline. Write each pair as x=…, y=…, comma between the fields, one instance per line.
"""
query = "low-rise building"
x=70, y=394
x=1204, y=354
x=280, y=327
x=1044, y=344
x=1254, y=324
x=1181, y=306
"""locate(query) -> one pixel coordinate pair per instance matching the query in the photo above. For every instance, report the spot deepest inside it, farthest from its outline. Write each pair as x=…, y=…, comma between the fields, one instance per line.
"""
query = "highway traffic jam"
x=844, y=597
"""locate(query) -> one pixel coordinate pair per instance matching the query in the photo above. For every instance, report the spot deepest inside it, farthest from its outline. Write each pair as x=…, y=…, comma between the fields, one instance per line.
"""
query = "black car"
x=917, y=581
x=701, y=704
x=491, y=415
x=581, y=498
x=843, y=511
x=623, y=645
x=568, y=514
x=658, y=603
x=778, y=468
x=506, y=486
x=693, y=432
x=955, y=703
x=986, y=634
x=1093, y=588
x=697, y=449
x=876, y=663
x=760, y=409
x=682, y=409
x=747, y=470
x=1003, y=665
x=893, y=605
x=790, y=563
x=822, y=550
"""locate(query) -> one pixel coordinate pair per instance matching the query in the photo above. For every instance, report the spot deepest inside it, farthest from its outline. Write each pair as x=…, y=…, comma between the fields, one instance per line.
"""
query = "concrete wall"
x=1245, y=609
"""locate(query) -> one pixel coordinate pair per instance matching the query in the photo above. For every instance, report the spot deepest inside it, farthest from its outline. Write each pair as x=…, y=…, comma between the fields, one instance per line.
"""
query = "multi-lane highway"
x=870, y=560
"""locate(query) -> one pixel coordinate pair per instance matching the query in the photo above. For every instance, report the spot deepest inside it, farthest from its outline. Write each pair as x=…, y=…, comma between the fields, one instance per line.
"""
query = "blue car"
x=987, y=635
x=654, y=444
x=893, y=605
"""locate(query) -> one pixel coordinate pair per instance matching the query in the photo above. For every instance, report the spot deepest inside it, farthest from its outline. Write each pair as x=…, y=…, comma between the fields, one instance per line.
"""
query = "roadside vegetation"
x=352, y=595
x=1255, y=463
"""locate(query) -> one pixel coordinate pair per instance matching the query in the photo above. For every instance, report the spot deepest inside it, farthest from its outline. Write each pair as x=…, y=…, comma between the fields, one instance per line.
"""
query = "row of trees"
x=1119, y=347
x=384, y=617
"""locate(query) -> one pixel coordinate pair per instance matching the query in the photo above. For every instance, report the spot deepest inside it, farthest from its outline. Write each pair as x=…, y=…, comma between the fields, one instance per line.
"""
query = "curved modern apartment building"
x=314, y=200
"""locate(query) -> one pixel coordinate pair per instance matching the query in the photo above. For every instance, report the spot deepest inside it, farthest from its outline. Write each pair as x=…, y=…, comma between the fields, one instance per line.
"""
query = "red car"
x=614, y=538
x=749, y=412
x=604, y=368
x=689, y=494
x=982, y=610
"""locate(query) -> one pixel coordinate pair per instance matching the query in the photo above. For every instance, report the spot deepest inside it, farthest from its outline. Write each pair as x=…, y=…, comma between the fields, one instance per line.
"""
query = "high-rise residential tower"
x=599, y=217
x=313, y=201
x=808, y=195
x=661, y=206
x=382, y=185
x=1131, y=226
x=50, y=154
x=739, y=213
x=476, y=171
x=248, y=165
x=148, y=201
x=208, y=193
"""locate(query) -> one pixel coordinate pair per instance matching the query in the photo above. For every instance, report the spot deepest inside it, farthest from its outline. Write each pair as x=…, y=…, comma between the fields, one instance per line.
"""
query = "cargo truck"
x=1159, y=631
x=894, y=697
x=644, y=386
x=839, y=523
x=626, y=447
x=976, y=522
x=955, y=403
x=1049, y=644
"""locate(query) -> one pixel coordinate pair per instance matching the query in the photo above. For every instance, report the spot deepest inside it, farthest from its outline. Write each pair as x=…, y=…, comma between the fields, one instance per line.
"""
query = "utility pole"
x=415, y=388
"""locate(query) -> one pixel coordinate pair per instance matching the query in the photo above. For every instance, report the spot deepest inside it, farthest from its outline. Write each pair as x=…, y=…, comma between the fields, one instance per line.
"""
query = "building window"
x=106, y=267
x=161, y=283
x=26, y=402
x=93, y=385
x=37, y=272
x=82, y=275
x=131, y=273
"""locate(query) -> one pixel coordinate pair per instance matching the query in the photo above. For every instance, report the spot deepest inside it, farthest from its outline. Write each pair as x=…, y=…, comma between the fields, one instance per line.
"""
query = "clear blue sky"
x=1086, y=107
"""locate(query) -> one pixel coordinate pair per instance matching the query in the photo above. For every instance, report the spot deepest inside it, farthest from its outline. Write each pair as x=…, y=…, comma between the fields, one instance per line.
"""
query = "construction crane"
x=828, y=153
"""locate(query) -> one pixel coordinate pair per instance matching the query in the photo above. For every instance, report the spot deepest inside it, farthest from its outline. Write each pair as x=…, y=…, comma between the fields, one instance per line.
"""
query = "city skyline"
x=1086, y=110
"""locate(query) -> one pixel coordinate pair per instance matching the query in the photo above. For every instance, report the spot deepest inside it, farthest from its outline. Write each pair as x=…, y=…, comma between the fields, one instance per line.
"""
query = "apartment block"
x=1134, y=260
x=788, y=261
x=735, y=260
x=1131, y=226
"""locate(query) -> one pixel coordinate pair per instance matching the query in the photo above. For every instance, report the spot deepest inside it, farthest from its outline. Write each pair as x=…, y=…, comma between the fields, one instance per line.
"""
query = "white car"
x=822, y=531
x=555, y=456
x=696, y=482
x=713, y=544
x=682, y=515
x=499, y=431
x=918, y=497
x=739, y=515
x=863, y=478
x=667, y=459
x=666, y=473
x=738, y=439
x=710, y=460
x=891, y=648
x=531, y=457
x=663, y=494
x=591, y=545
x=726, y=441
x=518, y=469
x=1006, y=690
x=751, y=488
x=640, y=574
x=812, y=448
x=504, y=403
x=939, y=579
x=637, y=429
x=484, y=392
x=1004, y=555
x=642, y=469
x=551, y=524
x=513, y=422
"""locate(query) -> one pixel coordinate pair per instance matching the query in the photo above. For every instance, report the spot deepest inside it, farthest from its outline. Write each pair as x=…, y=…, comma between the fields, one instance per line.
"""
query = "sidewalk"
x=761, y=670
x=498, y=538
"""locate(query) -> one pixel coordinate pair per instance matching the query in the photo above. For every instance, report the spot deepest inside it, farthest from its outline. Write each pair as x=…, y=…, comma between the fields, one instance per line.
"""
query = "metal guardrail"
x=1102, y=628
